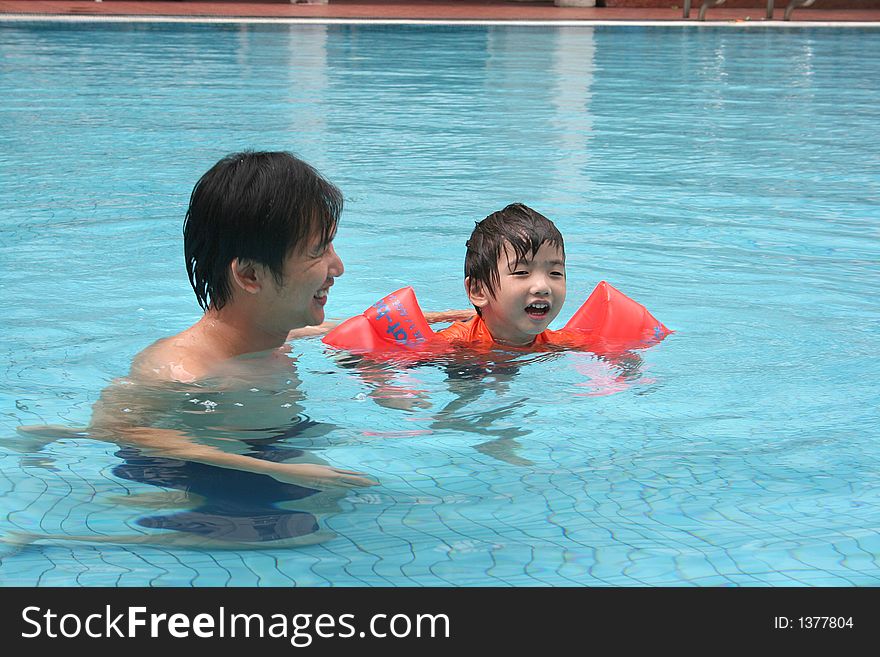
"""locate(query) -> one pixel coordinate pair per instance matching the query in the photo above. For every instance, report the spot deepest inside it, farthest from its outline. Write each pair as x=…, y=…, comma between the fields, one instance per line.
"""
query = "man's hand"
x=317, y=476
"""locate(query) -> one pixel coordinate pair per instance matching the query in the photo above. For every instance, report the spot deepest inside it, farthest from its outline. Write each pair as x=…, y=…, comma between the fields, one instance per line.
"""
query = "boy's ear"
x=475, y=292
x=246, y=275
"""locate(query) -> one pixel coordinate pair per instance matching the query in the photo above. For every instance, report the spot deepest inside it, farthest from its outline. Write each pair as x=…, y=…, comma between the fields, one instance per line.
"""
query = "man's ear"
x=246, y=275
x=475, y=292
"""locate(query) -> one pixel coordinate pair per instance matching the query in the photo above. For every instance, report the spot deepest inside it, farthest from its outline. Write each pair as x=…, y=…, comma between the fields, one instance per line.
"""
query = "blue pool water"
x=729, y=179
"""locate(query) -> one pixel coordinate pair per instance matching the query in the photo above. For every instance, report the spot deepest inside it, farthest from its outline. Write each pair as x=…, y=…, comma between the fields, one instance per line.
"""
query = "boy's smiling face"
x=529, y=295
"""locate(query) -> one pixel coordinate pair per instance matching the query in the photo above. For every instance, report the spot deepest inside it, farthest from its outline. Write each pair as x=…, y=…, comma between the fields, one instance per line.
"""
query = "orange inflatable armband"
x=610, y=315
x=608, y=319
x=395, y=322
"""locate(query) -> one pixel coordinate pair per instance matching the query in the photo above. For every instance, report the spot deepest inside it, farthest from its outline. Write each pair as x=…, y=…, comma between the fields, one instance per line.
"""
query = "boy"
x=515, y=278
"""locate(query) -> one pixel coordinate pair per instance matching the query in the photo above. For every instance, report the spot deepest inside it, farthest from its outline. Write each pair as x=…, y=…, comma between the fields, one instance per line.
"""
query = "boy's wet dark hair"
x=518, y=225
x=256, y=206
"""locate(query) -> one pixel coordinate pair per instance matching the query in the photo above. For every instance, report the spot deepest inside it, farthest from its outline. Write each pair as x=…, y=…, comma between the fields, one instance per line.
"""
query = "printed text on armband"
x=394, y=328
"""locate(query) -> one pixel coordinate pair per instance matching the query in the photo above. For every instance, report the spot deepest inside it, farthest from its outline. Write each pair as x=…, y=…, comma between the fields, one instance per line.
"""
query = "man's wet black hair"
x=524, y=229
x=256, y=206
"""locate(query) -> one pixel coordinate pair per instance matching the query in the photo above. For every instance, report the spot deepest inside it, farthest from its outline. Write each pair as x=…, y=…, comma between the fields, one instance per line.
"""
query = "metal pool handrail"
x=706, y=3
x=794, y=4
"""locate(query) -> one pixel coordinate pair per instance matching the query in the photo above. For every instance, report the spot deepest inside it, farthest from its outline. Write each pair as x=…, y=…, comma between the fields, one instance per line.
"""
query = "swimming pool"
x=726, y=178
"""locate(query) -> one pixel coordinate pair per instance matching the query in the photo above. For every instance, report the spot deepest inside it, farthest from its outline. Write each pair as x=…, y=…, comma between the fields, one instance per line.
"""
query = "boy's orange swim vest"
x=608, y=320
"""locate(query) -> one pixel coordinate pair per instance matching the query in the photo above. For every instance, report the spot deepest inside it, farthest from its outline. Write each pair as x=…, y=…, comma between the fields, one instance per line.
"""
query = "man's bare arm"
x=169, y=443
x=309, y=331
x=126, y=408
x=449, y=316
x=432, y=317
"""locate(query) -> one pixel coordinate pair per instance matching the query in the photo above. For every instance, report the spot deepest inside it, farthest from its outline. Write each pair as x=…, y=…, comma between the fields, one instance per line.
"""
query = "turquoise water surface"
x=729, y=179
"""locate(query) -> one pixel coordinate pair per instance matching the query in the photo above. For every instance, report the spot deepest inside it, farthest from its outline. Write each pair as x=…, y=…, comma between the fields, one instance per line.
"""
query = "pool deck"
x=450, y=10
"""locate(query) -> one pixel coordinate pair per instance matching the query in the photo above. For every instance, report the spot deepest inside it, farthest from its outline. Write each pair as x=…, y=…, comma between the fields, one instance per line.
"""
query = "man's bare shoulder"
x=177, y=358
x=188, y=357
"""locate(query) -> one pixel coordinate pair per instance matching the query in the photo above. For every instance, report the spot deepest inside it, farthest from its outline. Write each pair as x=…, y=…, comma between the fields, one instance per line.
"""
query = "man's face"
x=307, y=276
x=529, y=295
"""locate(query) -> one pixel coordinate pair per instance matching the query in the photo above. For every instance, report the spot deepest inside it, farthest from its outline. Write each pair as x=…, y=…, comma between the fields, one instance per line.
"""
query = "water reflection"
x=474, y=375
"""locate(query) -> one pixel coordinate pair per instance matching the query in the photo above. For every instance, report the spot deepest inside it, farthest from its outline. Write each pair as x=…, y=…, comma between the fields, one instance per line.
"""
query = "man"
x=258, y=242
